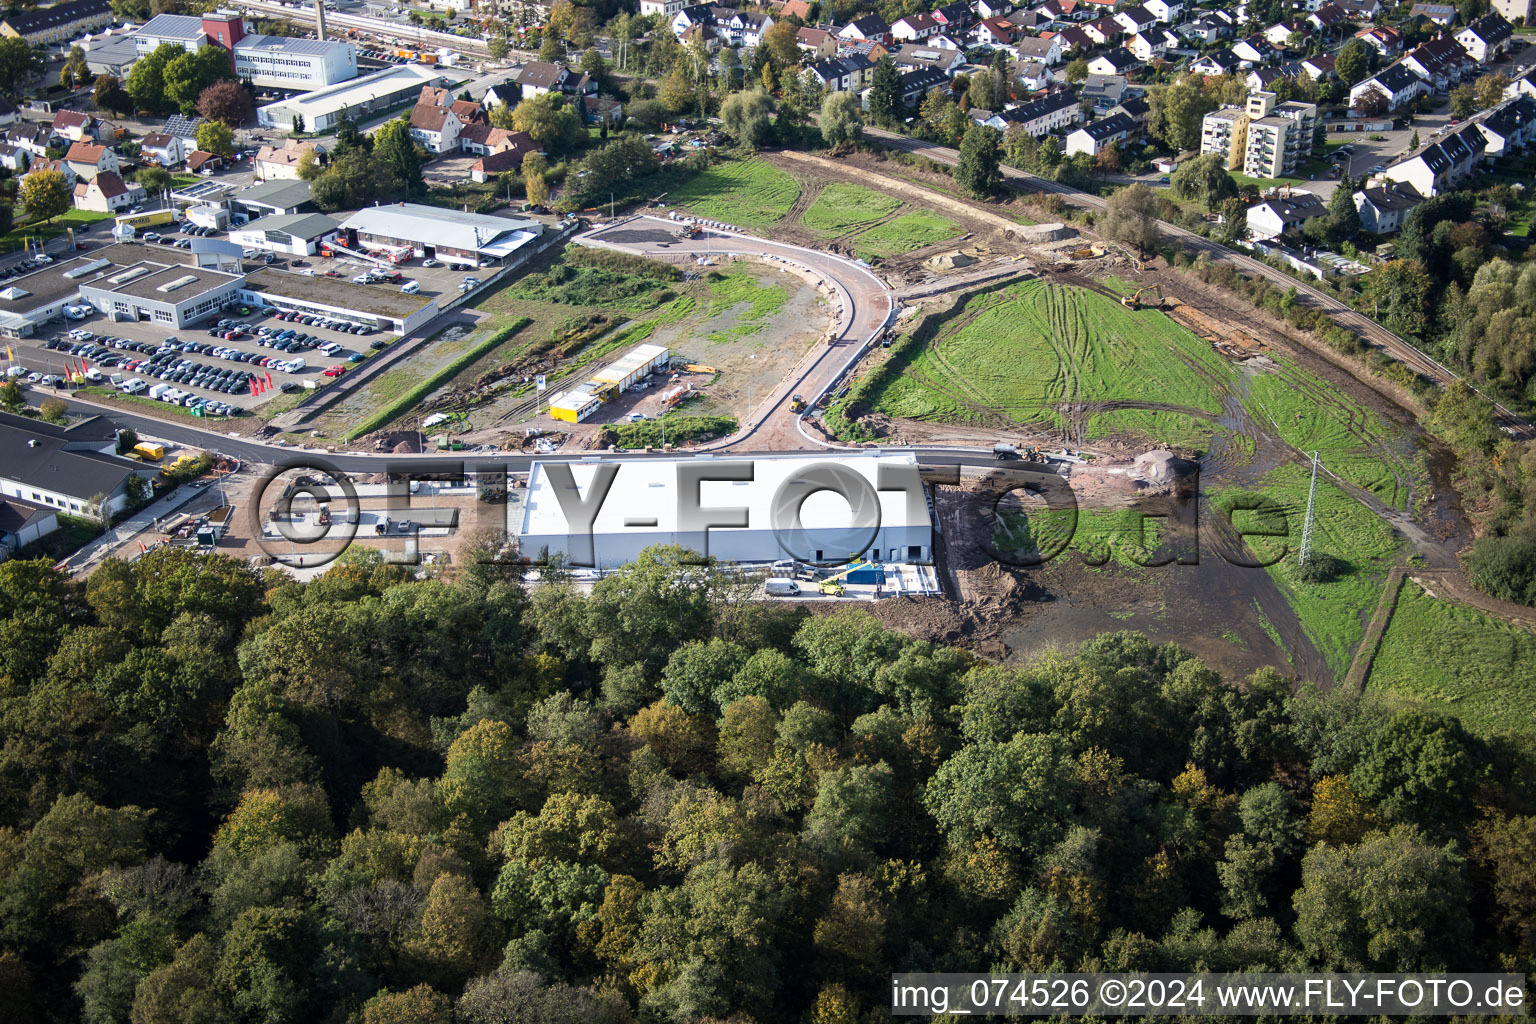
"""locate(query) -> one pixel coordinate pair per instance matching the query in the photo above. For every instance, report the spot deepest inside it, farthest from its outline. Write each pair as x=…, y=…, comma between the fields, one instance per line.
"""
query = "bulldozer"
x=1133, y=301
x=796, y=404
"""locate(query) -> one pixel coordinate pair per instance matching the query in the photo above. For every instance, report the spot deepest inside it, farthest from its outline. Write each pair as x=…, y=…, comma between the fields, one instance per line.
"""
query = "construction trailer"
x=580, y=402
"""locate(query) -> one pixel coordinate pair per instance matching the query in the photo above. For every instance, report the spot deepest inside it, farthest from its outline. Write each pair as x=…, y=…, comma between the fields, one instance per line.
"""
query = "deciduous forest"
x=229, y=797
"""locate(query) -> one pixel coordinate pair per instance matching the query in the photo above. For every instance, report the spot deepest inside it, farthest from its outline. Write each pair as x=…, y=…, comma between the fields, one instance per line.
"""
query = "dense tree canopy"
x=226, y=796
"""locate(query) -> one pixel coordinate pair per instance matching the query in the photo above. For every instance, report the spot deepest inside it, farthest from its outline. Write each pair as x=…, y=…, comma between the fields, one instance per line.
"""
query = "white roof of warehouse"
x=173, y=26
x=649, y=487
x=437, y=226
x=289, y=44
x=331, y=98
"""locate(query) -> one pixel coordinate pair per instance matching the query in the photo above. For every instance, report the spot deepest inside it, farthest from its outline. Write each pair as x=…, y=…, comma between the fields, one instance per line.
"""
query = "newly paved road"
x=1362, y=325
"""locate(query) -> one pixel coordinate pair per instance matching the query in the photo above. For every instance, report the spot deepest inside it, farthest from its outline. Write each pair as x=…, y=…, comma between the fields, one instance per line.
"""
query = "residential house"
x=745, y=29
x=1487, y=37
x=163, y=149
x=1508, y=128
x=1361, y=10
x=87, y=159
x=1384, y=208
x=1279, y=34
x=106, y=193
x=1395, y=82
x=869, y=49
x=512, y=147
x=956, y=17
x=600, y=109
x=1046, y=114
x=282, y=162
x=1103, y=31
x=796, y=9
x=1134, y=19
x=997, y=32
x=1099, y=135
x=75, y=126
x=841, y=74
x=1151, y=44
x=1512, y=9
x=917, y=84
x=36, y=139
x=1136, y=108
x=1521, y=83
x=1224, y=131
x=1113, y=62
x=200, y=161
x=1441, y=14
x=1318, y=67
x=908, y=57
x=469, y=112
x=14, y=158
x=1328, y=17
x=1441, y=166
x=993, y=8
x=1253, y=50
x=539, y=77
x=1075, y=38
x=870, y=26
x=436, y=128
x=817, y=42
x=1384, y=39
x=1032, y=75
x=1046, y=51
x=37, y=166
x=1031, y=21
x=1217, y=62
x=1279, y=215
x=9, y=115
x=1441, y=62
x=44, y=26
x=704, y=34
x=1265, y=79
x=24, y=522
x=1279, y=136
x=1105, y=92
x=1167, y=12
x=1062, y=10
x=1203, y=30
x=915, y=28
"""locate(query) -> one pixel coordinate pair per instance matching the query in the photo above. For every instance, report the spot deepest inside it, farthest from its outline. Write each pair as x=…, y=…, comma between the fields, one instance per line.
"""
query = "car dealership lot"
x=206, y=361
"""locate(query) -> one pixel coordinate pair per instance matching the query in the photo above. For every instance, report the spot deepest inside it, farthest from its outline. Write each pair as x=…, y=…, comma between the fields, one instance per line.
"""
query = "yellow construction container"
x=574, y=405
x=150, y=450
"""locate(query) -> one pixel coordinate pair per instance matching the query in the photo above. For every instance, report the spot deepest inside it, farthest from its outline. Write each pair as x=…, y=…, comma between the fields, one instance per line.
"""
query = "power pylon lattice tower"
x=1306, y=528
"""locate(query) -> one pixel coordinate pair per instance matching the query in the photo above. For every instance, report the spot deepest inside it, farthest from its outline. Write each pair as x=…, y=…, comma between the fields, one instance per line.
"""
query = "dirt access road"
x=1363, y=325
x=862, y=306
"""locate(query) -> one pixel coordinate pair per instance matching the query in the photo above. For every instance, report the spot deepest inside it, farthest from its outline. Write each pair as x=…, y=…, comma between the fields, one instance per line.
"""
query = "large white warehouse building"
x=817, y=509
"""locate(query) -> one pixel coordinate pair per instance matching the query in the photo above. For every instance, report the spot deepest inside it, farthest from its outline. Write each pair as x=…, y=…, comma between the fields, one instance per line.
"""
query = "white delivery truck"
x=156, y=390
x=780, y=586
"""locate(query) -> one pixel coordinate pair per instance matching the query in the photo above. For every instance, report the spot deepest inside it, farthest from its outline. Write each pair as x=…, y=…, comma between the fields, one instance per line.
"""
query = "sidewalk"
x=103, y=546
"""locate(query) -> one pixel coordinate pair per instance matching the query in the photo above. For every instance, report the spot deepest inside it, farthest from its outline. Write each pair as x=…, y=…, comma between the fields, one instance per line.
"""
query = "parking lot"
x=203, y=362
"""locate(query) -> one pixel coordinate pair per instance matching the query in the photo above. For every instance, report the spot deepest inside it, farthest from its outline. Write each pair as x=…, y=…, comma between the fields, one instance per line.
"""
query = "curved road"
x=1361, y=324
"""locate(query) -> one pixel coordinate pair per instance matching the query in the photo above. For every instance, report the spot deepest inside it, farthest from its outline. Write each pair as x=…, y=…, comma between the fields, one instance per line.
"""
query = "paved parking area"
x=144, y=350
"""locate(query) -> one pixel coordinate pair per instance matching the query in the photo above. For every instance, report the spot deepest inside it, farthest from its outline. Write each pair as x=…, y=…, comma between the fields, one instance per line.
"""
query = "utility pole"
x=1306, y=528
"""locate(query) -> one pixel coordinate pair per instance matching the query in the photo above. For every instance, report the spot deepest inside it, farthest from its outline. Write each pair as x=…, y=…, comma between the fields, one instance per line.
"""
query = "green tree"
x=1490, y=89
x=1343, y=214
x=696, y=670
x=154, y=179
x=1395, y=902
x=1463, y=101
x=398, y=155
x=852, y=817
x=841, y=124
x=1419, y=768
x=109, y=96
x=1076, y=70
x=549, y=121
x=1402, y=291
x=420, y=1005
x=748, y=118
x=1178, y=111
x=498, y=47
x=1205, y=178
x=884, y=93
x=1353, y=62
x=454, y=938
x=12, y=397
x=1016, y=793
x=534, y=182
x=19, y=64
x=216, y=137
x=1131, y=217
x=146, y=80
x=44, y=195
x=187, y=75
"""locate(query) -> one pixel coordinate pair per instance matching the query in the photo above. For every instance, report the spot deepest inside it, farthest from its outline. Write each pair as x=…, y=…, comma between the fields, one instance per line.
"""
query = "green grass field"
x=752, y=303
x=1022, y=354
x=1457, y=660
x=751, y=193
x=1333, y=614
x=842, y=207
x=905, y=233
x=1351, y=440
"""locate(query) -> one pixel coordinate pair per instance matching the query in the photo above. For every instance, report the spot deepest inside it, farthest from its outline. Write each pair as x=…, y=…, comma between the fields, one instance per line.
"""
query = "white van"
x=780, y=586
x=411, y=287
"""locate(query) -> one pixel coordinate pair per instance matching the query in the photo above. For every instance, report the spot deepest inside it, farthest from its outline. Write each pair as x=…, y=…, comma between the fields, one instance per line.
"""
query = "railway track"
x=1368, y=329
x=387, y=30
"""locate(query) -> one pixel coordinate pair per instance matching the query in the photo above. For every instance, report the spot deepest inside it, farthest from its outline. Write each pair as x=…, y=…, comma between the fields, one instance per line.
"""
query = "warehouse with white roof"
x=318, y=111
x=757, y=510
x=453, y=236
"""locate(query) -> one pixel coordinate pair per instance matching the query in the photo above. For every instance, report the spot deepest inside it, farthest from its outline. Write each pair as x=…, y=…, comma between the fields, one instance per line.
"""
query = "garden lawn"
x=1021, y=354
x=905, y=233
x=1333, y=614
x=1459, y=661
x=841, y=207
x=752, y=193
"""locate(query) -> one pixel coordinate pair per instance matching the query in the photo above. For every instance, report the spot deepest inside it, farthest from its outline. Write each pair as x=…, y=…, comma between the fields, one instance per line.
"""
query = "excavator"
x=1134, y=301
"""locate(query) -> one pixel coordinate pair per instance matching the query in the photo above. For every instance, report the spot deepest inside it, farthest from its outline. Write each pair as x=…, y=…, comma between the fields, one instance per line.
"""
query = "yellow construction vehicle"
x=796, y=404
x=832, y=586
x=1134, y=301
